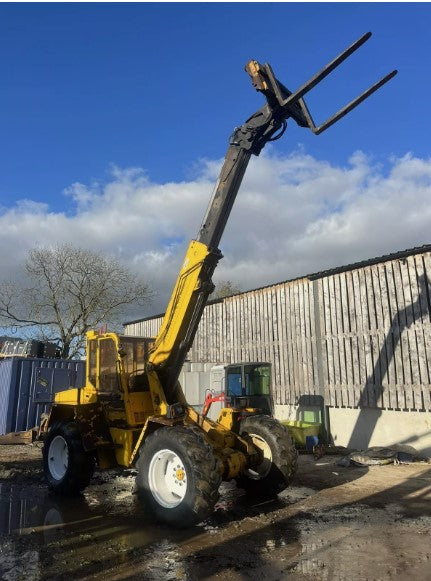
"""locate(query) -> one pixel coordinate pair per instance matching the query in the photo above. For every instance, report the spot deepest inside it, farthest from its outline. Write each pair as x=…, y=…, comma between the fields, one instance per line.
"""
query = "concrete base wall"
x=364, y=428
x=370, y=427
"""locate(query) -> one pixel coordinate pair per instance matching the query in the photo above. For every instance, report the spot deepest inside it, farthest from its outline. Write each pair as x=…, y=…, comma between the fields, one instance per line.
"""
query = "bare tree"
x=69, y=291
x=225, y=288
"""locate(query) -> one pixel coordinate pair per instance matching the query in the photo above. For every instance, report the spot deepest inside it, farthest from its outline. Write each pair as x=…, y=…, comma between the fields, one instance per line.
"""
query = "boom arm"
x=194, y=284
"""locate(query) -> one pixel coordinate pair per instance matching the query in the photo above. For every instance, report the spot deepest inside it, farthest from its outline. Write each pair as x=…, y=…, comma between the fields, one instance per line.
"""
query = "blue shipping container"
x=27, y=388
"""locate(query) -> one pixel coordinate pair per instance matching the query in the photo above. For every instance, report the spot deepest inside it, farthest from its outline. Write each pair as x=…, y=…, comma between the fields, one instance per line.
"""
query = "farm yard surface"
x=333, y=523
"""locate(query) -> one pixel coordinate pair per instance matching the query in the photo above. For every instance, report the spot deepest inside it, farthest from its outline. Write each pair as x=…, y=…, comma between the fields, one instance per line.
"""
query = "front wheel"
x=278, y=456
x=178, y=476
x=67, y=466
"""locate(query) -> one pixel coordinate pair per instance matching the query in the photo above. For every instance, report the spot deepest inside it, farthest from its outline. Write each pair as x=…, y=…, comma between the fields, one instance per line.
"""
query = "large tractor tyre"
x=67, y=466
x=178, y=476
x=279, y=457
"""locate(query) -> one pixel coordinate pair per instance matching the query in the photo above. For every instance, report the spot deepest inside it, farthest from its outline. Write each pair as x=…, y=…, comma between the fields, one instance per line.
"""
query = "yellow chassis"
x=116, y=446
x=116, y=433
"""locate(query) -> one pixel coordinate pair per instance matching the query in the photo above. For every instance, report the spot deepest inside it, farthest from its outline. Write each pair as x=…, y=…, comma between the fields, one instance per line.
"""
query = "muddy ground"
x=333, y=523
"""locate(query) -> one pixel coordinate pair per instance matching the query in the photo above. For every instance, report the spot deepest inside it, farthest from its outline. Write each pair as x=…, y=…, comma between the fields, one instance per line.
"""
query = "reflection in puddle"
x=19, y=507
x=46, y=536
x=106, y=534
x=25, y=510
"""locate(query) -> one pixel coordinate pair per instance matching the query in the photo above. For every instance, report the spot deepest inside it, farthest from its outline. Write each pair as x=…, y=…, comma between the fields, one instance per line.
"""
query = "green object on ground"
x=300, y=430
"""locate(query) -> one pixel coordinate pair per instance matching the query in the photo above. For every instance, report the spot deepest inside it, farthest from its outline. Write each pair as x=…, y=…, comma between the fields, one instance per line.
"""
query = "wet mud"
x=333, y=523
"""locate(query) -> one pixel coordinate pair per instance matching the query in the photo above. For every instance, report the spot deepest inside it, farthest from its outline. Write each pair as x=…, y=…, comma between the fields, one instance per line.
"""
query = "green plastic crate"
x=300, y=430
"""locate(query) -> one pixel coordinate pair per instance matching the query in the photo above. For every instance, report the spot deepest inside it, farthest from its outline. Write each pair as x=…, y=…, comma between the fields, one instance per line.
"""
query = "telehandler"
x=132, y=412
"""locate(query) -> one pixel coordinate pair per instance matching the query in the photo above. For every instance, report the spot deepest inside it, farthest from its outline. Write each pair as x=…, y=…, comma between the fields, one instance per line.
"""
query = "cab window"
x=135, y=352
x=234, y=382
x=257, y=379
x=108, y=379
x=92, y=361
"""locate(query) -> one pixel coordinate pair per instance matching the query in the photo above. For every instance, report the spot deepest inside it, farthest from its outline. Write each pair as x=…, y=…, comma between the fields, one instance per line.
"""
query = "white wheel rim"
x=167, y=478
x=262, y=469
x=53, y=517
x=58, y=457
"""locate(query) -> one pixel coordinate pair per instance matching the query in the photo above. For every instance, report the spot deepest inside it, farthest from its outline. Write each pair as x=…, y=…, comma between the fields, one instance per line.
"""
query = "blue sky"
x=161, y=85
x=89, y=91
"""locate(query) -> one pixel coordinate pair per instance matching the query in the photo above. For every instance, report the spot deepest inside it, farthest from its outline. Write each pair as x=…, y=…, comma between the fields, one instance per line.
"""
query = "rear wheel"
x=178, y=476
x=278, y=463
x=67, y=466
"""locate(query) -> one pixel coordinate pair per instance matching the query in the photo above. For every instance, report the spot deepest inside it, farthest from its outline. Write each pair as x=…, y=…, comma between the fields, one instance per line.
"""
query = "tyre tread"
x=205, y=467
x=287, y=456
x=81, y=467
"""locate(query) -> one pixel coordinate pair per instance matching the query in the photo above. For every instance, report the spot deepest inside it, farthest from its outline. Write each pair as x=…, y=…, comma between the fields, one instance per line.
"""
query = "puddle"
x=44, y=536
x=306, y=533
x=28, y=510
x=105, y=533
x=106, y=529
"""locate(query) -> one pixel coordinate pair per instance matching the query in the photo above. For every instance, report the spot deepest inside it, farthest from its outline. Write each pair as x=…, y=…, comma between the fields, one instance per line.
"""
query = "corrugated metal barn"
x=357, y=335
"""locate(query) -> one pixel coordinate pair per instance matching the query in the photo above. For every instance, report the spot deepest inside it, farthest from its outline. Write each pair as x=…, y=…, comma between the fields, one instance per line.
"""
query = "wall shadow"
x=373, y=389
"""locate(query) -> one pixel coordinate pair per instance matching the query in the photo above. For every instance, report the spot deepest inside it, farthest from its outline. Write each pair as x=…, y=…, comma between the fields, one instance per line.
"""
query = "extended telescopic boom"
x=194, y=283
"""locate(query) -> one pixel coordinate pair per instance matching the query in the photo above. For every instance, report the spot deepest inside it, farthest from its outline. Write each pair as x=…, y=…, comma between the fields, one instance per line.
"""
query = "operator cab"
x=134, y=352
x=105, y=352
x=248, y=385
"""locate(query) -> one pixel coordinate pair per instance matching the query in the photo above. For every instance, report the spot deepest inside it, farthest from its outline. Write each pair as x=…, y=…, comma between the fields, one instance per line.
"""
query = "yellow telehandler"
x=132, y=412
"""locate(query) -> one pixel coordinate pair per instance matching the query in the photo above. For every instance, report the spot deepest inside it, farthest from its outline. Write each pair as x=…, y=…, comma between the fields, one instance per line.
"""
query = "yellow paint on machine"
x=187, y=284
x=123, y=442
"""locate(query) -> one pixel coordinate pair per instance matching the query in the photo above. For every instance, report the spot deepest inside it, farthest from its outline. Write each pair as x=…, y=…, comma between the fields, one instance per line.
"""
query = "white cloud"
x=294, y=215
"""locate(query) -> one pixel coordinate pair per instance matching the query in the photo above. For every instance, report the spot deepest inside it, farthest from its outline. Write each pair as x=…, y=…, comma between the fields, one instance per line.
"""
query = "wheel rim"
x=261, y=470
x=167, y=478
x=58, y=457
